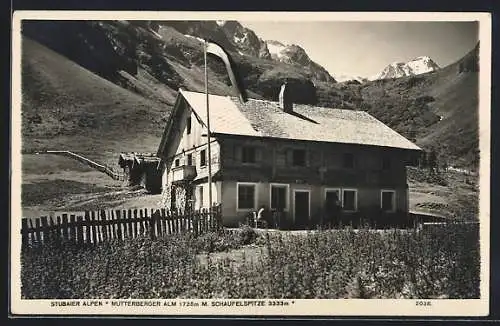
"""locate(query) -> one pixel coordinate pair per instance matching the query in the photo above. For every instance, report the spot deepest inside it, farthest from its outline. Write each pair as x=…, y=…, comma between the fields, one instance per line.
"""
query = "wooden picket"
x=93, y=227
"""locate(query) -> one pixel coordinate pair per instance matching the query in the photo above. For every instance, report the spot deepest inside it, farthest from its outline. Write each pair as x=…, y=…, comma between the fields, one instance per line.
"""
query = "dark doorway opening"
x=301, y=209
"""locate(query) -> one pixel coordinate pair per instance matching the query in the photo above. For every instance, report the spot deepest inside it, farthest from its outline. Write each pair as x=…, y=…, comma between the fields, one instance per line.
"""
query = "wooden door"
x=301, y=208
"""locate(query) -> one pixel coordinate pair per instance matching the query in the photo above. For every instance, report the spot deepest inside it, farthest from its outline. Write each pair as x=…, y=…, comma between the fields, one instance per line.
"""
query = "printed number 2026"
x=423, y=303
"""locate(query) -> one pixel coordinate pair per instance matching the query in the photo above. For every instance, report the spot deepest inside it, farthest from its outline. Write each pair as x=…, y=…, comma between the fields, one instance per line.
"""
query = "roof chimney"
x=285, y=98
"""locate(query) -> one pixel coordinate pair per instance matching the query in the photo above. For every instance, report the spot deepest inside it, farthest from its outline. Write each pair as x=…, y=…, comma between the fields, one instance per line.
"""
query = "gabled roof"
x=138, y=158
x=260, y=118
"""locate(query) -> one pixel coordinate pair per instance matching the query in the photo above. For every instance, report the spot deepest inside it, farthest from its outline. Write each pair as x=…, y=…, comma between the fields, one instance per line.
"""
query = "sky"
x=366, y=48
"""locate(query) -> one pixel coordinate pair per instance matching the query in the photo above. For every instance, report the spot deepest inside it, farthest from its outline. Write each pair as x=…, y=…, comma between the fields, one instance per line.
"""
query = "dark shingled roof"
x=138, y=158
x=261, y=118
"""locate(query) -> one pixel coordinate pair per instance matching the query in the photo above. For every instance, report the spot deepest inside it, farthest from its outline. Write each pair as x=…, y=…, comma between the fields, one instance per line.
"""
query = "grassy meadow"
x=330, y=264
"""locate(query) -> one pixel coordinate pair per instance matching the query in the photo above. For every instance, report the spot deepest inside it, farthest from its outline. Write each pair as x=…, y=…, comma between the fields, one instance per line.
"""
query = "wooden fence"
x=94, y=227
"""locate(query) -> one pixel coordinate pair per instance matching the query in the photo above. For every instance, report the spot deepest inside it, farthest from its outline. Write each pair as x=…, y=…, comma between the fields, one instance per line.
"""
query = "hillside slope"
x=67, y=106
x=439, y=109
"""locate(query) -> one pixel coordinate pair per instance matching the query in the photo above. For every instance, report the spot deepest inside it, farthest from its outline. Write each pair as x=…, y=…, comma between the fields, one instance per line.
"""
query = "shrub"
x=246, y=235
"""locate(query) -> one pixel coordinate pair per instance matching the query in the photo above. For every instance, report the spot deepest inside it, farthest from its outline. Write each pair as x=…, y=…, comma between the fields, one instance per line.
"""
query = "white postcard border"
x=338, y=307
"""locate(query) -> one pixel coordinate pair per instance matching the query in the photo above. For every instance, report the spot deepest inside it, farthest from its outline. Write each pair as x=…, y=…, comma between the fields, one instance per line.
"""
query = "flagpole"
x=208, y=130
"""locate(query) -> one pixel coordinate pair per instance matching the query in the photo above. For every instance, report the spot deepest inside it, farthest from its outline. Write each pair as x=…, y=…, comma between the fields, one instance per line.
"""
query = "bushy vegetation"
x=436, y=263
x=425, y=175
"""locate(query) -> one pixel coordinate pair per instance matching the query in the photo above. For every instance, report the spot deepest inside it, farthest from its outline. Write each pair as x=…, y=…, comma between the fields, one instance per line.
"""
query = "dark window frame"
x=392, y=200
x=286, y=188
x=299, y=161
x=355, y=200
x=386, y=163
x=190, y=159
x=244, y=203
x=348, y=161
x=203, y=157
x=248, y=155
x=177, y=162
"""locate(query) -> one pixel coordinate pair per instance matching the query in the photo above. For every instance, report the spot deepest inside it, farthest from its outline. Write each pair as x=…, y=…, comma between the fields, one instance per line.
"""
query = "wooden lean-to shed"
x=142, y=169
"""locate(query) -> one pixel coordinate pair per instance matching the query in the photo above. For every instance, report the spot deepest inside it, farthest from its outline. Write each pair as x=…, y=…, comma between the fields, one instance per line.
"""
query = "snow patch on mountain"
x=220, y=22
x=240, y=39
x=276, y=49
x=346, y=77
x=422, y=65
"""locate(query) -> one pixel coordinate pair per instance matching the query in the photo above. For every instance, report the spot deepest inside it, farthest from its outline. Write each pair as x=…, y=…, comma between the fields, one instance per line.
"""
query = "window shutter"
x=237, y=153
x=258, y=154
x=289, y=157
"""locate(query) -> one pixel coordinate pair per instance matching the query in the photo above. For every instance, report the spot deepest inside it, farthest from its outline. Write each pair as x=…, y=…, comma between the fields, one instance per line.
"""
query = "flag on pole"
x=217, y=50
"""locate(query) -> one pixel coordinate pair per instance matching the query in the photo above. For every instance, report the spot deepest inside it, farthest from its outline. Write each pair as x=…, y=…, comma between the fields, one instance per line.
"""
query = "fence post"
x=173, y=216
x=112, y=223
x=65, y=227
x=93, y=227
x=168, y=221
x=178, y=225
x=54, y=230
x=45, y=229
x=118, y=216
x=182, y=217
x=87, y=227
x=163, y=222
x=134, y=224
x=147, y=221
x=124, y=224
x=72, y=227
x=24, y=232
x=141, y=220
x=129, y=222
x=60, y=236
x=79, y=229
x=103, y=222
x=37, y=230
x=152, y=224
x=195, y=222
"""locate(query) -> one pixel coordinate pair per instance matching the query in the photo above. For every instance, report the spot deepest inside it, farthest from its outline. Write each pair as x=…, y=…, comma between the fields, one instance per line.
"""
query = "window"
x=177, y=162
x=299, y=157
x=203, y=157
x=248, y=154
x=188, y=125
x=388, y=200
x=386, y=163
x=190, y=159
x=332, y=198
x=246, y=196
x=350, y=200
x=279, y=197
x=200, y=194
x=348, y=161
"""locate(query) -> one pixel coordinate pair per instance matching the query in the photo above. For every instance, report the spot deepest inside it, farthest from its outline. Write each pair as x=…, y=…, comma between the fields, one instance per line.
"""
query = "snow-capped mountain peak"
x=417, y=66
x=220, y=22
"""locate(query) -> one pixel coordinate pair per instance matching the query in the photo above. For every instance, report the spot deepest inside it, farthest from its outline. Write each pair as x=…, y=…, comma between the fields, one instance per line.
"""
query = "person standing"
x=262, y=216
